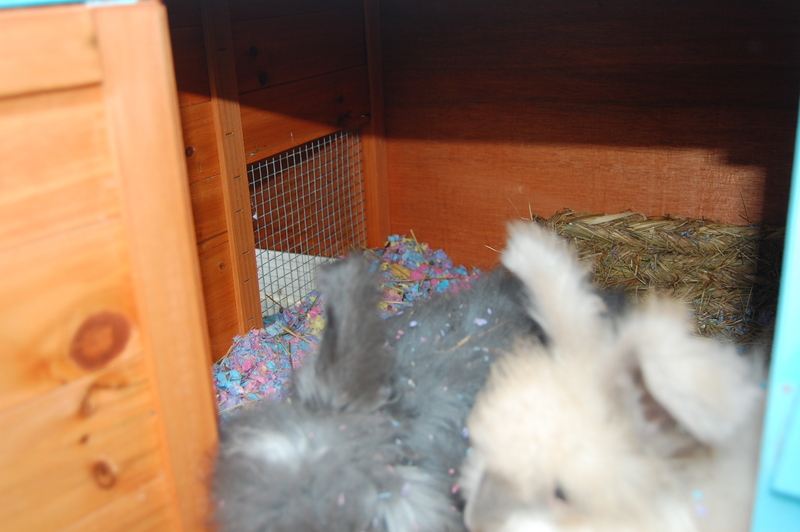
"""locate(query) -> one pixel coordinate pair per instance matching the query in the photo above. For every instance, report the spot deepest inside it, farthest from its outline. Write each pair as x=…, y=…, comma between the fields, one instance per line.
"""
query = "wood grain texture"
x=200, y=141
x=57, y=171
x=51, y=287
x=279, y=118
x=212, y=242
x=274, y=51
x=233, y=169
x=75, y=448
x=686, y=108
x=373, y=136
x=140, y=94
x=145, y=509
x=217, y=274
x=256, y=9
x=47, y=51
x=208, y=208
x=465, y=219
x=206, y=189
x=191, y=68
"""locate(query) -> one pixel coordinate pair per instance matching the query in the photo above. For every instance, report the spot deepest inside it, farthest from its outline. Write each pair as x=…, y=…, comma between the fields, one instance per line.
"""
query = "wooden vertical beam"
x=376, y=173
x=144, y=124
x=233, y=167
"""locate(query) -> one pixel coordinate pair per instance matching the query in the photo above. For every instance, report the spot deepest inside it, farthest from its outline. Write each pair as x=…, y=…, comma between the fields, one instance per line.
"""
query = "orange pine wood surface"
x=212, y=242
x=233, y=168
x=686, y=108
x=278, y=118
x=55, y=147
x=79, y=448
x=52, y=287
x=45, y=51
x=220, y=296
x=145, y=509
x=191, y=68
x=200, y=141
x=146, y=138
x=106, y=404
x=277, y=50
x=209, y=208
x=203, y=165
x=210, y=219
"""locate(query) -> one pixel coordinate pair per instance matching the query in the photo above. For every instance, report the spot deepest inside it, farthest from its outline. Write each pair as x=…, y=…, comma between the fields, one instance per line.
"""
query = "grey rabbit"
x=373, y=434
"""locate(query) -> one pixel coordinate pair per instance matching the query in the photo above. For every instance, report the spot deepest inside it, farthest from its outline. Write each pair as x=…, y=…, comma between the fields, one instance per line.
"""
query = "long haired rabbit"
x=613, y=423
x=373, y=434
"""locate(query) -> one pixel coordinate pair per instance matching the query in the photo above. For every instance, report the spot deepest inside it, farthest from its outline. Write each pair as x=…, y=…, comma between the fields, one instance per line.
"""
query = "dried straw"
x=728, y=274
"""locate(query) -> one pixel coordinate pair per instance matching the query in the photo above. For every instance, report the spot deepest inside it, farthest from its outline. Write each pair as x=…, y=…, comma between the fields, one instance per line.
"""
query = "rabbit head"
x=612, y=423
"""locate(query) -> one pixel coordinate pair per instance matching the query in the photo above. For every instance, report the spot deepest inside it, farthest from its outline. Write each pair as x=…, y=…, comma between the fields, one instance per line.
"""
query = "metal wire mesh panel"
x=308, y=208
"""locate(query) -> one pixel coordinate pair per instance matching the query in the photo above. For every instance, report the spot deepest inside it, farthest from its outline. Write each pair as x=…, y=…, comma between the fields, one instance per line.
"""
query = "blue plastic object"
x=31, y=3
x=777, y=506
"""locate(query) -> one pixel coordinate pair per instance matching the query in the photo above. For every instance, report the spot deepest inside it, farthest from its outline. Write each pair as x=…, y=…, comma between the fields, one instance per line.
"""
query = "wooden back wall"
x=498, y=109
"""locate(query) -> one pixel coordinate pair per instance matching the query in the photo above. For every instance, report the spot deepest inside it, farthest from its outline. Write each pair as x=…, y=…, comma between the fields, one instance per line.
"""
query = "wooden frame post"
x=144, y=125
x=376, y=182
x=233, y=167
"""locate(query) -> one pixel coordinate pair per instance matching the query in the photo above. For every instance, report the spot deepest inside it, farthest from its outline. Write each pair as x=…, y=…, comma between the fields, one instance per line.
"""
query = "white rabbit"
x=374, y=433
x=624, y=423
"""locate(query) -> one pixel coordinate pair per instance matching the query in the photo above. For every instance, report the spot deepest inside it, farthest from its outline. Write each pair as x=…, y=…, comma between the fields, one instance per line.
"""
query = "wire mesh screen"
x=308, y=208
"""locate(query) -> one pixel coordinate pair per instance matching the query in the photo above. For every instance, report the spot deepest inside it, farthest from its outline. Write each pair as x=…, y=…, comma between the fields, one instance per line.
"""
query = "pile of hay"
x=729, y=274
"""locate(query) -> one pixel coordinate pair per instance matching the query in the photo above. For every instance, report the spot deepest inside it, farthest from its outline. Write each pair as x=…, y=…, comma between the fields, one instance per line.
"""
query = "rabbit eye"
x=558, y=493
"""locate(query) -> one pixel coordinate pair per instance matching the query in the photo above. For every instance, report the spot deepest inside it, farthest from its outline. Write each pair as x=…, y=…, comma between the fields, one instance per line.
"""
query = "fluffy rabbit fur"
x=374, y=433
x=613, y=424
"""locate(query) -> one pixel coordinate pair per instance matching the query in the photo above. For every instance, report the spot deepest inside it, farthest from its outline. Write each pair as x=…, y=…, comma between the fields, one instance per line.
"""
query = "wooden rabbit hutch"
x=128, y=245
x=470, y=114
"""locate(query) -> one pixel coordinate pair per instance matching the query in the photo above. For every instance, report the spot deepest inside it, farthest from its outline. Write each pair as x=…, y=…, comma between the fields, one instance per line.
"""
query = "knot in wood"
x=105, y=474
x=100, y=339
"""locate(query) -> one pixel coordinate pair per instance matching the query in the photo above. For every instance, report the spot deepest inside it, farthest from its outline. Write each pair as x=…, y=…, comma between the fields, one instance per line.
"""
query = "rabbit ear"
x=684, y=387
x=351, y=368
x=560, y=297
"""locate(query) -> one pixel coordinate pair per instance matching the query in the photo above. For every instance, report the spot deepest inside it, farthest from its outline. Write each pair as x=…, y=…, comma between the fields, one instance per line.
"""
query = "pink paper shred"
x=260, y=364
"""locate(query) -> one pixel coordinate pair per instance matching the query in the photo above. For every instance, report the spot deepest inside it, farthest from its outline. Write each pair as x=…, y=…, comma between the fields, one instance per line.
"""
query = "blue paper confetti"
x=261, y=363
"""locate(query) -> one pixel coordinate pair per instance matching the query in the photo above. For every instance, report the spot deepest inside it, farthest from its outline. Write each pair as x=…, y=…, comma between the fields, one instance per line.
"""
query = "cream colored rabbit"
x=611, y=424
